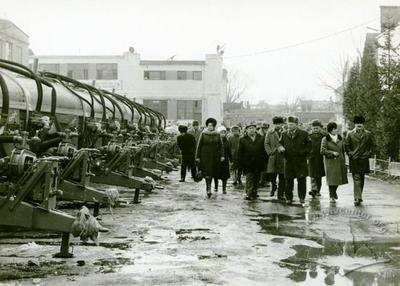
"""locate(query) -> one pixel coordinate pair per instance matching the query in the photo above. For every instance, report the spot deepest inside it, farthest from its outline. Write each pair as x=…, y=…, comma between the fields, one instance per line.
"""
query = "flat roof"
x=76, y=56
x=172, y=63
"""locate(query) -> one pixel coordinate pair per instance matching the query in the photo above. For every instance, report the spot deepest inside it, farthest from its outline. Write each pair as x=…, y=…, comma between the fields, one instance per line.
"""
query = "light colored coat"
x=275, y=159
x=335, y=166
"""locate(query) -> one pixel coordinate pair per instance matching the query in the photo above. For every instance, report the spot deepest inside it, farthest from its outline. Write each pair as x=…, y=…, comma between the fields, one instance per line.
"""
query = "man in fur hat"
x=315, y=162
x=252, y=159
x=187, y=145
x=195, y=130
x=295, y=143
x=275, y=158
x=359, y=146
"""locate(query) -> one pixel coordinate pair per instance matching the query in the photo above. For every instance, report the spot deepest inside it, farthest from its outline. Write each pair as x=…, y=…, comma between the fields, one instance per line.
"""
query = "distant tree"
x=352, y=92
x=236, y=87
x=292, y=105
x=306, y=105
x=340, y=78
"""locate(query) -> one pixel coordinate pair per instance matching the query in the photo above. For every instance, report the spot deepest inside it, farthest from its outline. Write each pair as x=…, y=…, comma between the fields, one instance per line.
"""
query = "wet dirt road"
x=178, y=237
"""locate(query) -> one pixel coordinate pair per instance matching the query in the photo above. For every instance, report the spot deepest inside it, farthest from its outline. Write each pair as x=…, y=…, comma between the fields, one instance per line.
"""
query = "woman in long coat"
x=210, y=153
x=332, y=148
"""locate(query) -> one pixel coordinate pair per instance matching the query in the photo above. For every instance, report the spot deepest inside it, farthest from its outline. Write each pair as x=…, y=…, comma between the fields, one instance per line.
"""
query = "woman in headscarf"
x=224, y=172
x=210, y=153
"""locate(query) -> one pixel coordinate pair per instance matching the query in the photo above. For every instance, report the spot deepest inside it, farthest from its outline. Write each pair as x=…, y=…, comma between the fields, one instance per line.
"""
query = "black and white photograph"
x=200, y=142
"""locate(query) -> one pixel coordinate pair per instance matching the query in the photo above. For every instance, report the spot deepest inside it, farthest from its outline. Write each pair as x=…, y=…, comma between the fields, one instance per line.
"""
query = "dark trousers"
x=252, y=180
x=264, y=178
x=301, y=188
x=358, y=185
x=281, y=184
x=188, y=163
x=316, y=184
x=237, y=175
x=332, y=192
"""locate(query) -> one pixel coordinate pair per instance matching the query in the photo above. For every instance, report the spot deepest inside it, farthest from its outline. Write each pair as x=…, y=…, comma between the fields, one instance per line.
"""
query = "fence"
x=384, y=166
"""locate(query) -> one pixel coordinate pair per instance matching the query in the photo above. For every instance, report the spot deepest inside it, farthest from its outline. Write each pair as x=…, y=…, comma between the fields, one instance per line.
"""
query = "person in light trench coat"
x=332, y=148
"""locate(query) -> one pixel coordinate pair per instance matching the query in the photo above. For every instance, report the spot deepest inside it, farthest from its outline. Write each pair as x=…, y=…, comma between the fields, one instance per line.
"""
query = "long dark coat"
x=275, y=159
x=335, y=167
x=316, y=160
x=187, y=145
x=359, y=147
x=234, y=148
x=296, y=152
x=252, y=156
x=224, y=172
x=209, y=151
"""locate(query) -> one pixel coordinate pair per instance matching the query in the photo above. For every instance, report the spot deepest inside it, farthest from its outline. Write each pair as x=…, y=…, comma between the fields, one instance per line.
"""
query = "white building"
x=181, y=90
x=14, y=43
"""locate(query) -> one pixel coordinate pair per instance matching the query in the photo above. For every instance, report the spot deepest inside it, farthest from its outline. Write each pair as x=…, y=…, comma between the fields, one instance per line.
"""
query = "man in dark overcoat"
x=252, y=158
x=296, y=145
x=316, y=162
x=233, y=140
x=264, y=178
x=359, y=146
x=187, y=145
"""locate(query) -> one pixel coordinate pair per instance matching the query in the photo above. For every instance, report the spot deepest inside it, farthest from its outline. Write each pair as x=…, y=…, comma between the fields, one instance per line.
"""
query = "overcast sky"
x=189, y=29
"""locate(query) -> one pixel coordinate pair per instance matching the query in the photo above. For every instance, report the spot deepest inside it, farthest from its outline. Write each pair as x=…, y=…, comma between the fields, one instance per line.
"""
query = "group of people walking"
x=278, y=156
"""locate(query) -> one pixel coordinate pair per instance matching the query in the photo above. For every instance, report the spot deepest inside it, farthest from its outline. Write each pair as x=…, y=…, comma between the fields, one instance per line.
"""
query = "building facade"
x=181, y=90
x=14, y=43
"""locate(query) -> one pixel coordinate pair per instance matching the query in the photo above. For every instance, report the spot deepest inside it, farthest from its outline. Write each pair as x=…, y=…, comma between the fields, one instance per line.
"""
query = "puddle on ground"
x=344, y=263
x=119, y=245
x=369, y=262
x=212, y=256
x=111, y=265
x=273, y=224
x=192, y=238
x=190, y=230
x=157, y=262
x=278, y=239
x=16, y=271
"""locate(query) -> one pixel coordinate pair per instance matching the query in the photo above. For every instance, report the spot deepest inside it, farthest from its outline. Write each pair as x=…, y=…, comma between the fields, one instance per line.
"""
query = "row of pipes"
x=58, y=136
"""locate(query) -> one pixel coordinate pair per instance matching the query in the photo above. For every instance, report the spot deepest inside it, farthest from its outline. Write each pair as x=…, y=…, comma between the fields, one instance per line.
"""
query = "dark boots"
x=224, y=186
x=208, y=186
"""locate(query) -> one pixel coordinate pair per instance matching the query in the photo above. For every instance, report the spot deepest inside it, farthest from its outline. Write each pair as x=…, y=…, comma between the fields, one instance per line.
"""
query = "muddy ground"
x=177, y=236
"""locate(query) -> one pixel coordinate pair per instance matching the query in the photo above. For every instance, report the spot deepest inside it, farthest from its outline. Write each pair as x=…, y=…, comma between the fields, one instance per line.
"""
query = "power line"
x=302, y=43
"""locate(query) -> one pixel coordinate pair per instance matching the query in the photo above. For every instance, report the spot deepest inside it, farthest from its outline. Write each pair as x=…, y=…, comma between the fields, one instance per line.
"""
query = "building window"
x=171, y=75
x=8, y=51
x=185, y=109
x=154, y=75
x=197, y=75
x=78, y=71
x=158, y=105
x=181, y=75
x=53, y=68
x=107, y=71
x=18, y=54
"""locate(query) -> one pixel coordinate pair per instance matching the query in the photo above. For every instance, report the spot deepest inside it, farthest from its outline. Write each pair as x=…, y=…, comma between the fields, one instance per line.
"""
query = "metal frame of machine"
x=90, y=135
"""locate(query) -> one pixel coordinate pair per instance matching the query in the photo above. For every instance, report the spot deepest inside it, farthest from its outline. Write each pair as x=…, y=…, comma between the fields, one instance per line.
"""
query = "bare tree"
x=292, y=105
x=236, y=87
x=341, y=73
